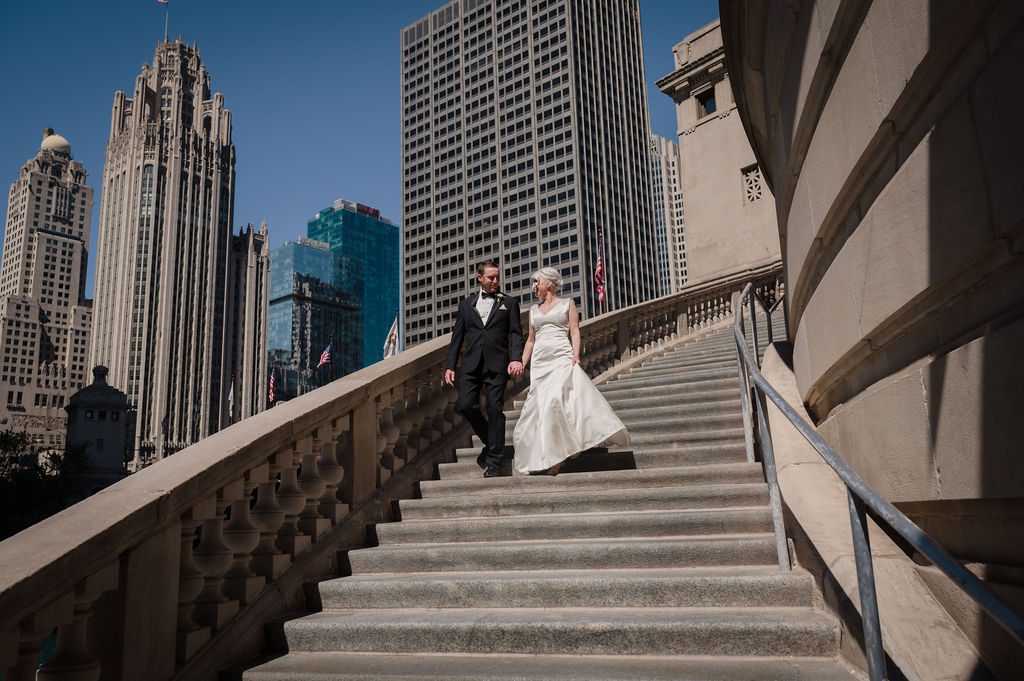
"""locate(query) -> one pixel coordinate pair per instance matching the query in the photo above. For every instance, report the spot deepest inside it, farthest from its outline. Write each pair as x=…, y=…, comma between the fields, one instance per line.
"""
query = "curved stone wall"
x=889, y=132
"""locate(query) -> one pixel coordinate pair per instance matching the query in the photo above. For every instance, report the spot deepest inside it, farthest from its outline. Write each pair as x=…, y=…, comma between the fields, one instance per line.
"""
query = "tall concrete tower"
x=166, y=261
x=668, y=214
x=525, y=137
x=44, y=316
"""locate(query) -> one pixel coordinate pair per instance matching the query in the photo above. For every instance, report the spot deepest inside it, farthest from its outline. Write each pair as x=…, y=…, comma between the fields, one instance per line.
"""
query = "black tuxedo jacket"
x=492, y=343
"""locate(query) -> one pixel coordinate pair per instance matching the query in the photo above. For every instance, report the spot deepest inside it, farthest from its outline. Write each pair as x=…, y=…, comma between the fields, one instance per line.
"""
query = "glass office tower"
x=314, y=297
x=361, y=235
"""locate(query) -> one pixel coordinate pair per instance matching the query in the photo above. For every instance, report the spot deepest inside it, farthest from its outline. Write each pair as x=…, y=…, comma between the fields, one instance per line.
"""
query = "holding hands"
x=515, y=369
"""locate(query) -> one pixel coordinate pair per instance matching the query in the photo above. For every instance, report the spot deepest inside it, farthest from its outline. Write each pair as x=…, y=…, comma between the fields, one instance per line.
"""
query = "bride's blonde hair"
x=550, y=275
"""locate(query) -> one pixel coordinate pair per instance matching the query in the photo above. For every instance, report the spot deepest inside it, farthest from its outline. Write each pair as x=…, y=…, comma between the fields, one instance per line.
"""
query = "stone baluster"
x=268, y=516
x=331, y=472
x=292, y=500
x=424, y=428
x=344, y=452
x=72, y=658
x=388, y=434
x=378, y=442
x=214, y=557
x=438, y=406
x=191, y=636
x=242, y=536
x=27, y=642
x=448, y=400
x=404, y=414
x=313, y=486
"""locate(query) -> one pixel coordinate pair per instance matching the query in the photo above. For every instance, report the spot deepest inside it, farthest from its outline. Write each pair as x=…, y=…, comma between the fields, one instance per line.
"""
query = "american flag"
x=599, y=274
x=325, y=356
x=161, y=2
x=272, y=389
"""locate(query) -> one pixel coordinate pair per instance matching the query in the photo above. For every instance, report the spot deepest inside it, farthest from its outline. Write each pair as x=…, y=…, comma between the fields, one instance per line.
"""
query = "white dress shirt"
x=484, y=305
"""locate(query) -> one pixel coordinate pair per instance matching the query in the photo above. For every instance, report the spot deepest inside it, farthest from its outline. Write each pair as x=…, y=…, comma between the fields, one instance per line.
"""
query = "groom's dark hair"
x=484, y=264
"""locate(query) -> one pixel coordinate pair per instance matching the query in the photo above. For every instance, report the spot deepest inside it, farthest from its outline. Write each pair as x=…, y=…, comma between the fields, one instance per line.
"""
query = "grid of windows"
x=45, y=318
x=524, y=138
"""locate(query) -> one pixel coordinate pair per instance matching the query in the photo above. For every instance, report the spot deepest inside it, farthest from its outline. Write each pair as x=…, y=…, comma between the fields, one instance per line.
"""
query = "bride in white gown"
x=564, y=413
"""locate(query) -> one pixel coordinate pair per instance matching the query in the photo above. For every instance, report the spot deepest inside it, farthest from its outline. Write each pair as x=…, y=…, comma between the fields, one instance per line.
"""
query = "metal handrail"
x=861, y=497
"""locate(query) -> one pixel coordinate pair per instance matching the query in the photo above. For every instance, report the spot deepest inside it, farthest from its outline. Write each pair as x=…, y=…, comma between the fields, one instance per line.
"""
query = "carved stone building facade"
x=45, y=318
x=890, y=134
x=181, y=301
x=730, y=215
x=525, y=138
x=669, y=218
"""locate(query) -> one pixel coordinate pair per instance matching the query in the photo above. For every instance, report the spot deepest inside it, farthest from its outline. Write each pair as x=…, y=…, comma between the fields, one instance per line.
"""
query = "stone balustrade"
x=168, y=566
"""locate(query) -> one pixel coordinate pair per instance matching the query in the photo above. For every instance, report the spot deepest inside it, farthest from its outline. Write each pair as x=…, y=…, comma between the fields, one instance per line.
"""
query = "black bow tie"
x=485, y=294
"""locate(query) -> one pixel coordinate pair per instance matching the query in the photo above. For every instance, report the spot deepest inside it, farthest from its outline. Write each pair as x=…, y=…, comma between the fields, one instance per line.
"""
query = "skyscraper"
x=372, y=243
x=315, y=298
x=525, y=137
x=45, y=318
x=169, y=270
x=668, y=214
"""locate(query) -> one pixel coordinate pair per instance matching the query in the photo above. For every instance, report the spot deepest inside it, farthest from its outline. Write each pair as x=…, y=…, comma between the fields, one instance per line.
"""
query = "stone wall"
x=889, y=133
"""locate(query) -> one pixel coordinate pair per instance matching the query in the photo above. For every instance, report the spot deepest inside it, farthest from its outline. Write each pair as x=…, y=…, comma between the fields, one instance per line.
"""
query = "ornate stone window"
x=706, y=104
x=753, y=184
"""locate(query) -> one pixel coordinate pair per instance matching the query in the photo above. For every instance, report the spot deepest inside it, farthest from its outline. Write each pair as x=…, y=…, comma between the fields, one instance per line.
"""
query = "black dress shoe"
x=492, y=472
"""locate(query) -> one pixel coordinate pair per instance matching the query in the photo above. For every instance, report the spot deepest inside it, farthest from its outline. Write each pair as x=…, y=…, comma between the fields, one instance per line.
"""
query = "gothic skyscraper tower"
x=166, y=274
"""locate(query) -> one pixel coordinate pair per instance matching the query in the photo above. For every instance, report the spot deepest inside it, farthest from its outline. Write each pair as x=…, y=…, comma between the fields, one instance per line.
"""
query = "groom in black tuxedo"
x=488, y=323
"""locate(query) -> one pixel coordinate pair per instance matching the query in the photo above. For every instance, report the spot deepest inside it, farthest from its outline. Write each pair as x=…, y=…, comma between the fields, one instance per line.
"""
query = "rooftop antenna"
x=167, y=12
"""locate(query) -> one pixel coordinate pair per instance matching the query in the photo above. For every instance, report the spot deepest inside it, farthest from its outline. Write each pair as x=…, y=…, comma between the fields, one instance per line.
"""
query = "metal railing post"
x=866, y=587
x=862, y=497
x=753, y=329
x=748, y=428
x=774, y=493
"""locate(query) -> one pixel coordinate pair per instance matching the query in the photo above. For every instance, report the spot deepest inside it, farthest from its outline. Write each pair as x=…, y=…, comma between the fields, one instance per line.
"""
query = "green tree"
x=31, y=490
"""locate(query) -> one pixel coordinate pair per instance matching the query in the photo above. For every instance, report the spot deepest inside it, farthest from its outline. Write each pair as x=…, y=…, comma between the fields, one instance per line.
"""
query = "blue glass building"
x=361, y=235
x=315, y=297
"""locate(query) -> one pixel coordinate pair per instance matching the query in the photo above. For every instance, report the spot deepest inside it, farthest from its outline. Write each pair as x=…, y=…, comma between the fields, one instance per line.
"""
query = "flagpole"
x=604, y=256
x=167, y=13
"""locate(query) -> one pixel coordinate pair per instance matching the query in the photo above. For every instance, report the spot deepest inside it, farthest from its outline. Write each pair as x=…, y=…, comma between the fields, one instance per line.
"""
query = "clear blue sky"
x=314, y=87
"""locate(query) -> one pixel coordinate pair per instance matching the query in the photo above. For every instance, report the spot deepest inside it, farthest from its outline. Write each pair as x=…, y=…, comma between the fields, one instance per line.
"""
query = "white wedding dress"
x=564, y=412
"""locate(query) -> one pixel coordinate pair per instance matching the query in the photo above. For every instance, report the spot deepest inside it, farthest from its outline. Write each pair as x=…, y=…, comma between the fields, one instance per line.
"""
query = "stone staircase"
x=656, y=562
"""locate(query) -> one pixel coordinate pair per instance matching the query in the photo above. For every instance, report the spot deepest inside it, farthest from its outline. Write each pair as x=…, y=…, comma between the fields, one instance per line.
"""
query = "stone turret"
x=101, y=419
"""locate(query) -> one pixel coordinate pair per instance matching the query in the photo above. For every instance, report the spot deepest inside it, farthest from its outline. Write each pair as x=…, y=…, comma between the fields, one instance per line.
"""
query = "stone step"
x=650, y=450
x=722, y=344
x=679, y=405
x=697, y=395
x=664, y=438
x=725, y=351
x=655, y=456
x=616, y=393
x=696, y=475
x=682, y=364
x=586, y=501
x=597, y=459
x=562, y=554
x=675, y=378
x=642, y=420
x=594, y=525
x=642, y=456
x=576, y=631
x=334, y=666
x=726, y=405
x=684, y=424
x=741, y=587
